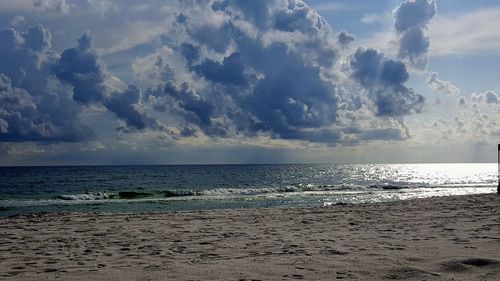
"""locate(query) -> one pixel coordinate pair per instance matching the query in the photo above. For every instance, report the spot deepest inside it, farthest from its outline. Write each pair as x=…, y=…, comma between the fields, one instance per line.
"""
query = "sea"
x=171, y=188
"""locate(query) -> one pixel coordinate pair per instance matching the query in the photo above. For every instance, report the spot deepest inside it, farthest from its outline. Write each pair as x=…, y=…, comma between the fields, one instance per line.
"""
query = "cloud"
x=17, y=21
x=34, y=107
x=195, y=108
x=267, y=68
x=92, y=84
x=24, y=117
x=154, y=68
x=52, y=6
x=441, y=86
x=286, y=94
x=190, y=52
x=345, y=38
x=290, y=97
x=411, y=19
x=128, y=106
x=230, y=71
x=475, y=121
x=467, y=33
x=81, y=68
x=384, y=79
x=462, y=100
x=222, y=70
x=488, y=97
x=24, y=53
x=268, y=84
x=414, y=13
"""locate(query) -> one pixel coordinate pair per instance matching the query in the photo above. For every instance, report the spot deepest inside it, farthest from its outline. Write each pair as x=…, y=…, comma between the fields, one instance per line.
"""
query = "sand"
x=446, y=238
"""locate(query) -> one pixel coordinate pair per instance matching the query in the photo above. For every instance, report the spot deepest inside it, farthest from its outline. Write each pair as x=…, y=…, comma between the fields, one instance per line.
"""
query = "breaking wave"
x=84, y=196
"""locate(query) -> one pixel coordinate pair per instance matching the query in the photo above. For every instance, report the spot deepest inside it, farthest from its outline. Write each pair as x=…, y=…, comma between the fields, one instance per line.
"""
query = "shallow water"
x=202, y=187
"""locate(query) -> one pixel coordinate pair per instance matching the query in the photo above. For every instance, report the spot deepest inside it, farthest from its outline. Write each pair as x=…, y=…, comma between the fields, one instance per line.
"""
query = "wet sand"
x=447, y=238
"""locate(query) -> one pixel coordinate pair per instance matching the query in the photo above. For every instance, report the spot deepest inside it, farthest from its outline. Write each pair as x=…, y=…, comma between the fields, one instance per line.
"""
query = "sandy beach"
x=445, y=238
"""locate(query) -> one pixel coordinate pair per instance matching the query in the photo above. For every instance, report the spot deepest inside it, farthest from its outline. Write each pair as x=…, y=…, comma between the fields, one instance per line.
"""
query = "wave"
x=319, y=193
x=179, y=193
x=84, y=196
x=127, y=195
x=236, y=192
x=268, y=190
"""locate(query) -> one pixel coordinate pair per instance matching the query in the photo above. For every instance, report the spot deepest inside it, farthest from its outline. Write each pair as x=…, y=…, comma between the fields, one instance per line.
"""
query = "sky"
x=91, y=82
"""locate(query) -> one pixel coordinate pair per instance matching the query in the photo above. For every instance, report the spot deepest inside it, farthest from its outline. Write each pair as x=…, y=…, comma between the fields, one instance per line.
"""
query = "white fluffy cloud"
x=441, y=86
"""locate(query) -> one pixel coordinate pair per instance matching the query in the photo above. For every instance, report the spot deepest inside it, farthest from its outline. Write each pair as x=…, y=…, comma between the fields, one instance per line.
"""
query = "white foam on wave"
x=299, y=188
x=85, y=196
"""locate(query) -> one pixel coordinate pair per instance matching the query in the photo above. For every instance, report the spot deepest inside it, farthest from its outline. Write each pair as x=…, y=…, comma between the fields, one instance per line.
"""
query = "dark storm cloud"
x=291, y=95
x=411, y=20
x=292, y=16
x=398, y=101
x=274, y=81
x=414, y=13
x=230, y=71
x=297, y=16
x=27, y=118
x=80, y=67
x=279, y=88
x=24, y=55
x=33, y=106
x=372, y=68
x=230, y=68
x=413, y=43
x=190, y=52
x=127, y=106
x=37, y=106
x=345, y=38
x=195, y=108
x=384, y=79
x=37, y=38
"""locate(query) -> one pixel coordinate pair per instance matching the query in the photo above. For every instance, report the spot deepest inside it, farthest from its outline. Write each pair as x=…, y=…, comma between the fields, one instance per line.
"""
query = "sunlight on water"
x=436, y=174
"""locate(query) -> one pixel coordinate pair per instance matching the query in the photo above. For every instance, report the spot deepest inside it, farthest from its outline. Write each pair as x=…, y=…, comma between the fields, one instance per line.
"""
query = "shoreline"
x=131, y=202
x=436, y=238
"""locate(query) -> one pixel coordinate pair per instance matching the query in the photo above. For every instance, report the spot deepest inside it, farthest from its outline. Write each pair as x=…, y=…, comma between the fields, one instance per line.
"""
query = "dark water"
x=175, y=188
